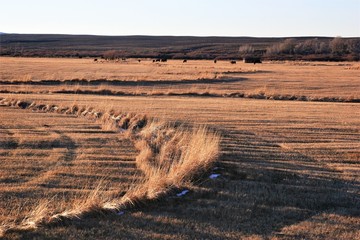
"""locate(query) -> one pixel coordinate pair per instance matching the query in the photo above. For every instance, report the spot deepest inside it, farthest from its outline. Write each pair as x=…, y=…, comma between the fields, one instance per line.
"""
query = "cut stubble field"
x=287, y=169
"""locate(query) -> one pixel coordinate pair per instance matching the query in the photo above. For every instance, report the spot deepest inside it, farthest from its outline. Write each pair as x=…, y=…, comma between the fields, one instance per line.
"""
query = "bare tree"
x=338, y=46
x=286, y=47
x=246, y=49
x=111, y=54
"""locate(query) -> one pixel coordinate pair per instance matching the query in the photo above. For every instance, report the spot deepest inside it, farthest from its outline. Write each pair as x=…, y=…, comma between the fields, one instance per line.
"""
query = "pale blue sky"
x=259, y=18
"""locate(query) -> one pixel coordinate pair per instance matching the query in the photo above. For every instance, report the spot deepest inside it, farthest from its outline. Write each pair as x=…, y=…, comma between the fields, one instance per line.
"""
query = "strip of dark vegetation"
x=171, y=47
x=98, y=82
x=277, y=97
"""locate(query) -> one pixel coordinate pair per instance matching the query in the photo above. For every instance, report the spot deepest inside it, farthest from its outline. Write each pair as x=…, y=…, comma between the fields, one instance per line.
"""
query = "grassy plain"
x=309, y=79
x=288, y=169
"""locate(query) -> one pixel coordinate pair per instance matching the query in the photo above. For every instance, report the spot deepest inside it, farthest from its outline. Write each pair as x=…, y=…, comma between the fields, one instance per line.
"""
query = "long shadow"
x=69, y=144
x=262, y=188
x=282, y=187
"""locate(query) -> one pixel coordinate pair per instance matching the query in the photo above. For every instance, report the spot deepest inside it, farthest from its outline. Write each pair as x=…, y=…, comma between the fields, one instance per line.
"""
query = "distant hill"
x=56, y=45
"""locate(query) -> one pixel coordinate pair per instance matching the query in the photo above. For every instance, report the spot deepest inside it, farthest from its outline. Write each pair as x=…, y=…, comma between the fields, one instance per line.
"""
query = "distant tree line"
x=336, y=49
x=303, y=48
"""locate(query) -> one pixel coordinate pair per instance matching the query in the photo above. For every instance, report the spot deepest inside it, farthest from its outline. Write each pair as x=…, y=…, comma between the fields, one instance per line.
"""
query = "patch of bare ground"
x=288, y=170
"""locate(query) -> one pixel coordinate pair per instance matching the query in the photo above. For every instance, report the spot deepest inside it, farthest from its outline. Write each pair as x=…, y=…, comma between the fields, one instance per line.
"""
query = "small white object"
x=116, y=118
x=182, y=193
x=214, y=175
x=121, y=213
x=217, y=168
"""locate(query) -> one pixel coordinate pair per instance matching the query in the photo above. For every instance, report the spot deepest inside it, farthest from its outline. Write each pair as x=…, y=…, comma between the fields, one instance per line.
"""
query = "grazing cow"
x=158, y=60
x=184, y=61
x=139, y=60
x=257, y=61
x=215, y=61
x=233, y=62
x=95, y=60
x=164, y=60
x=253, y=60
x=154, y=60
x=124, y=59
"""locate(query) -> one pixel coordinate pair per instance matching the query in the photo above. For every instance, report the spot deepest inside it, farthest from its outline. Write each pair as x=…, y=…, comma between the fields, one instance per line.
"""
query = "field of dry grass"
x=287, y=169
x=59, y=158
x=169, y=156
x=301, y=79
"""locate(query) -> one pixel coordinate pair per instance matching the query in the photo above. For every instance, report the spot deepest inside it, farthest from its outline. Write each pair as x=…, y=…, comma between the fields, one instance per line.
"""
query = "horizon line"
x=170, y=35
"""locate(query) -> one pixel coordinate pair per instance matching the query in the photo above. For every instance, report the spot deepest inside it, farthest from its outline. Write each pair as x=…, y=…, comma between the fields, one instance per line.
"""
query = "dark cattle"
x=164, y=60
x=233, y=62
x=215, y=61
x=253, y=60
x=257, y=61
x=154, y=60
x=158, y=60
x=184, y=61
x=95, y=60
x=124, y=59
x=139, y=60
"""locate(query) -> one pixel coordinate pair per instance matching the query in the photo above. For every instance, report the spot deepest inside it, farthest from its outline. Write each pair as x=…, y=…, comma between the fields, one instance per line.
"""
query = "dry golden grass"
x=280, y=168
x=288, y=169
x=53, y=157
x=171, y=158
x=310, y=80
x=187, y=154
x=35, y=69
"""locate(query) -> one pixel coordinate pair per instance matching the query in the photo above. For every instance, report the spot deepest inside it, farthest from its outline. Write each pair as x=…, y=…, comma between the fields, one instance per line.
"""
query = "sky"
x=257, y=18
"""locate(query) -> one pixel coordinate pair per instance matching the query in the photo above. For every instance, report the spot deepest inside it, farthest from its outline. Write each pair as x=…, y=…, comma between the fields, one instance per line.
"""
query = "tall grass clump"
x=170, y=157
